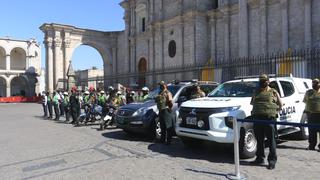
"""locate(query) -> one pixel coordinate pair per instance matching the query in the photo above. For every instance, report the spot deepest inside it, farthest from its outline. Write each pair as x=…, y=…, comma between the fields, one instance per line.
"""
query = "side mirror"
x=181, y=99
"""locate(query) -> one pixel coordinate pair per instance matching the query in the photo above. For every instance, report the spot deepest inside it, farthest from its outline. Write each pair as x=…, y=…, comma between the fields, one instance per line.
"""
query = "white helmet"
x=65, y=93
x=119, y=93
x=102, y=92
x=132, y=92
x=110, y=88
x=145, y=89
x=86, y=92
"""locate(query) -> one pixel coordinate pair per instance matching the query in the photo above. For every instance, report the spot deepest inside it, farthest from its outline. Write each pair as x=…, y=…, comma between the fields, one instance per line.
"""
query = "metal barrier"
x=237, y=175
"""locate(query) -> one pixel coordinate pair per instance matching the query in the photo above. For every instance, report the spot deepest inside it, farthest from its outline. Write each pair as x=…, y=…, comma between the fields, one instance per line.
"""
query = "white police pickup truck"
x=209, y=119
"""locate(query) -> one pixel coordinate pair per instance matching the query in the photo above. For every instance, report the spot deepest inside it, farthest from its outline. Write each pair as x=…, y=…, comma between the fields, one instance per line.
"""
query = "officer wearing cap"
x=74, y=106
x=266, y=104
x=312, y=100
x=197, y=92
x=165, y=104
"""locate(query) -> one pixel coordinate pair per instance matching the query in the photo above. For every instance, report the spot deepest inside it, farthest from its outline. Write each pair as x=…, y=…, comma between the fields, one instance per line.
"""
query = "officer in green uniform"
x=145, y=94
x=49, y=104
x=312, y=100
x=266, y=105
x=197, y=92
x=66, y=105
x=164, y=104
x=56, y=99
x=102, y=99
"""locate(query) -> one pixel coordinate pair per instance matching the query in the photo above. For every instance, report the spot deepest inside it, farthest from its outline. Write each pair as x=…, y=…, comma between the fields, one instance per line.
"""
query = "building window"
x=143, y=28
x=172, y=48
x=215, y=4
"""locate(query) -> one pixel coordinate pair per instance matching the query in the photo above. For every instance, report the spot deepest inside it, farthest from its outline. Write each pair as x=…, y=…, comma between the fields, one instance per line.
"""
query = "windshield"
x=172, y=88
x=235, y=89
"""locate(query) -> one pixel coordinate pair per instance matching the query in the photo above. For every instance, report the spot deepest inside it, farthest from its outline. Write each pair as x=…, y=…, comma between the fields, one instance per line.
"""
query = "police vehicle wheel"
x=157, y=129
x=303, y=134
x=248, y=143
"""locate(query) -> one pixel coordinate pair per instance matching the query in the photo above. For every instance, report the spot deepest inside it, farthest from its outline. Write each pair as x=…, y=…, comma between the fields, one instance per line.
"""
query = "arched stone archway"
x=3, y=87
x=2, y=59
x=19, y=86
x=18, y=59
x=142, y=69
x=61, y=41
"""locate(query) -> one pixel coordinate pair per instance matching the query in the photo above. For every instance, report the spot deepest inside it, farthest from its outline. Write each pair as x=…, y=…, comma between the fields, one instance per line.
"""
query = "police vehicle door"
x=290, y=110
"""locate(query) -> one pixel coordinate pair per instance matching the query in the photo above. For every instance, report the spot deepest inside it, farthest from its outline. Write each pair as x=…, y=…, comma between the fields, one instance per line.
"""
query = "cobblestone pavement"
x=34, y=148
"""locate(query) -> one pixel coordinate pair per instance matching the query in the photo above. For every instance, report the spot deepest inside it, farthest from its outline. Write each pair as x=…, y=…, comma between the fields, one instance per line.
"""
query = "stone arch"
x=19, y=86
x=142, y=69
x=3, y=87
x=2, y=58
x=60, y=43
x=18, y=58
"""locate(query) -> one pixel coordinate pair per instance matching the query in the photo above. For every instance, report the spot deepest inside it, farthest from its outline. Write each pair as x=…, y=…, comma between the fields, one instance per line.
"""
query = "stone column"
x=213, y=39
x=308, y=24
x=243, y=28
x=66, y=58
x=226, y=20
x=8, y=62
x=263, y=27
x=8, y=89
x=285, y=26
x=49, y=64
x=57, y=63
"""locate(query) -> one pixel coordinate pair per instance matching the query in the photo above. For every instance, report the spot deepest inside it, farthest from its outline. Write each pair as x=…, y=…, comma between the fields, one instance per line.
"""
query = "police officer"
x=266, y=105
x=145, y=93
x=56, y=102
x=197, y=92
x=44, y=99
x=164, y=104
x=66, y=105
x=49, y=104
x=312, y=100
x=74, y=106
x=129, y=97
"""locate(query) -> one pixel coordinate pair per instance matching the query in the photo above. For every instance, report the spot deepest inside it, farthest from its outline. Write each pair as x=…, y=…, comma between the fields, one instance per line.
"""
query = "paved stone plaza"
x=33, y=148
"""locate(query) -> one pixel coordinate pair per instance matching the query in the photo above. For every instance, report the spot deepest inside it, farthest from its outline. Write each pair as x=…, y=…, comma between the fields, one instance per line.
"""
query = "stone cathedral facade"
x=163, y=33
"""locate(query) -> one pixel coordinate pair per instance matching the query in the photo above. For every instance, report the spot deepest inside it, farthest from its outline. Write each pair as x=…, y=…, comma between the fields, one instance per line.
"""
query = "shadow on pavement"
x=121, y=135
x=207, y=172
x=291, y=147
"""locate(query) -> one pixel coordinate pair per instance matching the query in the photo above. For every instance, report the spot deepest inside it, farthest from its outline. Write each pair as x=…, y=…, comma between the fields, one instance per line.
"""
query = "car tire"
x=247, y=143
x=191, y=142
x=156, y=128
x=303, y=134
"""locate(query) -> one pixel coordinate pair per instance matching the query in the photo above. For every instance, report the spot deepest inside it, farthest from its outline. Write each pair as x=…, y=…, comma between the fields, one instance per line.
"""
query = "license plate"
x=191, y=120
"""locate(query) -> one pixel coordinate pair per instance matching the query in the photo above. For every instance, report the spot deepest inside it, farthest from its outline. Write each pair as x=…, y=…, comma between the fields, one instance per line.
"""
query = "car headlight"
x=200, y=123
x=140, y=112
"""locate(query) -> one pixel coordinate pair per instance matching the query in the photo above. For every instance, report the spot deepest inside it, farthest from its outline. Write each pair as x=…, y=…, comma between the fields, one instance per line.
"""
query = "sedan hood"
x=137, y=105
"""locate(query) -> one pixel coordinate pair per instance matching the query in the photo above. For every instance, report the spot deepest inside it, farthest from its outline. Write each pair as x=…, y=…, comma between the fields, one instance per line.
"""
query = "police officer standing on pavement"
x=56, y=102
x=266, y=105
x=49, y=104
x=145, y=93
x=312, y=100
x=66, y=105
x=44, y=99
x=74, y=106
x=164, y=104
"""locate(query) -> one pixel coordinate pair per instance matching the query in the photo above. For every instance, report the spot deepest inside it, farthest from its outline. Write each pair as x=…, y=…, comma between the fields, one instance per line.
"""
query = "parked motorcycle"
x=92, y=114
x=108, y=119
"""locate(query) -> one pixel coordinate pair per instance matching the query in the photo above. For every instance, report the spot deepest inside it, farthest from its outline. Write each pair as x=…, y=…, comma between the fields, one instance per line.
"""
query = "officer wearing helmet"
x=165, y=104
x=129, y=96
x=145, y=93
x=66, y=105
x=266, y=104
x=312, y=100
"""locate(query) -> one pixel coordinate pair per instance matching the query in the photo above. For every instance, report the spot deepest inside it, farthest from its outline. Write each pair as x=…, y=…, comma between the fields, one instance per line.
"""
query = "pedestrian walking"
x=49, y=104
x=44, y=100
x=266, y=104
x=312, y=100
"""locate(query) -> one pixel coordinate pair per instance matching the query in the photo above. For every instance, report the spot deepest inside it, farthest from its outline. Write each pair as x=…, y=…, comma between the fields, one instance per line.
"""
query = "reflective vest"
x=313, y=101
x=264, y=104
x=66, y=101
x=56, y=99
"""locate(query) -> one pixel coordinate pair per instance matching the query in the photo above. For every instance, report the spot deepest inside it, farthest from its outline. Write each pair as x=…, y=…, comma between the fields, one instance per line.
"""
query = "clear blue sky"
x=21, y=19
